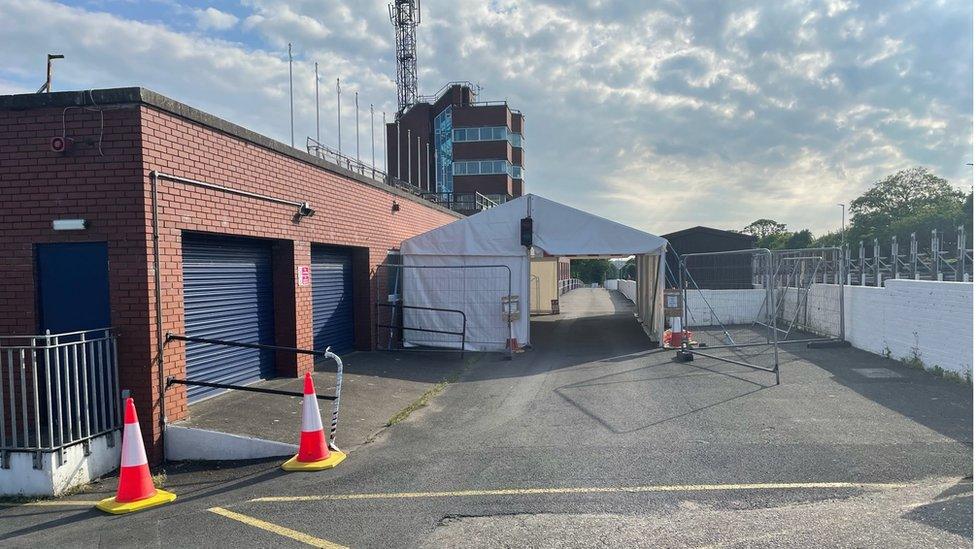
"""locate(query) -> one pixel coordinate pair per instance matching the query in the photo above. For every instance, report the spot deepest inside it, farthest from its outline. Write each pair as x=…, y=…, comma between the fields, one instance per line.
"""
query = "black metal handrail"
x=172, y=380
x=464, y=321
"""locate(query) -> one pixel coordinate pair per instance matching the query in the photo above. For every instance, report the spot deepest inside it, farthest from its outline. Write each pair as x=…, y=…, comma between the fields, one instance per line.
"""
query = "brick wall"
x=111, y=189
x=348, y=213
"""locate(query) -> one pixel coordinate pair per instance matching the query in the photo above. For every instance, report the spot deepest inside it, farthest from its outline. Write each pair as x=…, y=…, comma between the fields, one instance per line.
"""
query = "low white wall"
x=188, y=443
x=52, y=479
x=628, y=288
x=907, y=318
x=709, y=307
x=610, y=284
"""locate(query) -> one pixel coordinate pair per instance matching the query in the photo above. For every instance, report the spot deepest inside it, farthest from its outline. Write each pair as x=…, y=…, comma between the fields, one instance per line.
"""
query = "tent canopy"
x=557, y=229
x=475, y=263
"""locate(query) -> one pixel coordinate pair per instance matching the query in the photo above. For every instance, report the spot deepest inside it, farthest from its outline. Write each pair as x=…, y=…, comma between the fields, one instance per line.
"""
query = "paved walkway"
x=592, y=438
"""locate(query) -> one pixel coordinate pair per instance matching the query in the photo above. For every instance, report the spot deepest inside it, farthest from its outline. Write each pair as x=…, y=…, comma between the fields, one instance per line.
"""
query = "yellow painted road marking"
x=275, y=529
x=591, y=490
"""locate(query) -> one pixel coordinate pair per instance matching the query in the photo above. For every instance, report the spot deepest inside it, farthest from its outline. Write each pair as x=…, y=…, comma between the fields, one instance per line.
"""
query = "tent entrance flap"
x=494, y=237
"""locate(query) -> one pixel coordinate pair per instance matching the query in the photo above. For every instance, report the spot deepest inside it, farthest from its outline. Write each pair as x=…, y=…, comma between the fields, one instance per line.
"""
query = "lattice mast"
x=405, y=16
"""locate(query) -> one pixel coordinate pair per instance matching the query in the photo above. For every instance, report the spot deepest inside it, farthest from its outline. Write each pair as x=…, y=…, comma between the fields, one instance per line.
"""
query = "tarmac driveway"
x=591, y=438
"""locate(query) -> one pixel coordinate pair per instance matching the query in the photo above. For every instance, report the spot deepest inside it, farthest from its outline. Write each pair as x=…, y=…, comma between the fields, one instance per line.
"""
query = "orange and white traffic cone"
x=313, y=451
x=136, y=491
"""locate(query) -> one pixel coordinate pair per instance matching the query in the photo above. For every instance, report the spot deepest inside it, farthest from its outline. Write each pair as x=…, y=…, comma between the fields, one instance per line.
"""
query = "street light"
x=843, y=222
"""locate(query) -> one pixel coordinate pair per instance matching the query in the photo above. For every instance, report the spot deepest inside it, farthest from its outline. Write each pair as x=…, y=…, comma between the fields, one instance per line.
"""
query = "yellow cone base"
x=335, y=458
x=109, y=505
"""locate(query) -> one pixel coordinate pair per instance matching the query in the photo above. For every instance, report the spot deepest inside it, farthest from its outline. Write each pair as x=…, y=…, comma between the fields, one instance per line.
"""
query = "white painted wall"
x=628, y=288
x=709, y=307
x=52, y=479
x=905, y=318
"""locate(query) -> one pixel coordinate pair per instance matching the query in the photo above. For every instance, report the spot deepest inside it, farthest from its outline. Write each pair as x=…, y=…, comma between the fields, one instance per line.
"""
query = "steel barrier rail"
x=327, y=353
x=464, y=321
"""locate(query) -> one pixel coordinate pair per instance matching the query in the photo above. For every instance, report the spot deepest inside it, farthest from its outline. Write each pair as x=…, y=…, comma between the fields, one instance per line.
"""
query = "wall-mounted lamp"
x=396, y=207
x=304, y=210
x=70, y=224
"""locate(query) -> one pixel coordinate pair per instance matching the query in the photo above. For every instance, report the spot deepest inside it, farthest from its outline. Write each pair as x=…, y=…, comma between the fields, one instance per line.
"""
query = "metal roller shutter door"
x=332, y=307
x=227, y=294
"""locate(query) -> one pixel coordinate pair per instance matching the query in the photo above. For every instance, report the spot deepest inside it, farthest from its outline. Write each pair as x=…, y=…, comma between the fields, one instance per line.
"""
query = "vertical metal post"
x=961, y=254
x=356, y=96
x=339, y=114
x=842, y=275
x=13, y=396
x=409, y=170
x=427, y=169
x=318, y=136
x=291, y=97
x=913, y=256
x=372, y=137
x=37, y=400
x=47, y=387
x=114, y=365
x=769, y=295
x=386, y=141
x=895, y=267
x=399, y=148
x=23, y=398
x=3, y=421
x=419, y=165
x=77, y=432
x=57, y=387
x=936, y=254
x=862, y=263
x=84, y=382
x=878, y=278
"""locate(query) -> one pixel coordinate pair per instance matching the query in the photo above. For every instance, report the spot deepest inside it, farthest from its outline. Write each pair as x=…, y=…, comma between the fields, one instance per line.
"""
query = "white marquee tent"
x=465, y=266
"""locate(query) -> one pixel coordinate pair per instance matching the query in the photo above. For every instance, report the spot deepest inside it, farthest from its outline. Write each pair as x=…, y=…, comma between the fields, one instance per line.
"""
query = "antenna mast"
x=405, y=16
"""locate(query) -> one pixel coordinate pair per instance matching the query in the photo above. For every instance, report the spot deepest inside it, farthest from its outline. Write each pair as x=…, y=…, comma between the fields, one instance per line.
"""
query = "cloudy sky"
x=660, y=114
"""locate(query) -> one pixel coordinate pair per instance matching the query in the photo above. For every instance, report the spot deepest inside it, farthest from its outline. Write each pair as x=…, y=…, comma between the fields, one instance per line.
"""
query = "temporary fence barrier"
x=56, y=391
x=440, y=307
x=172, y=380
x=734, y=324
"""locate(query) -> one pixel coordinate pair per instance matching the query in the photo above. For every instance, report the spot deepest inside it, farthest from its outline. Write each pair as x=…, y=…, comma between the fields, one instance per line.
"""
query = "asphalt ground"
x=591, y=438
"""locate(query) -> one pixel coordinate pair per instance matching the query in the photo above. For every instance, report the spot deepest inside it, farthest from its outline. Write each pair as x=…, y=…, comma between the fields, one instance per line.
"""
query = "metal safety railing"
x=464, y=201
x=568, y=284
x=57, y=390
x=397, y=305
x=172, y=380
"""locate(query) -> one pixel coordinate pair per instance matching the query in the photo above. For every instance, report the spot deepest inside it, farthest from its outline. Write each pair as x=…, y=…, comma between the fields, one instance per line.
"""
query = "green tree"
x=629, y=270
x=591, y=270
x=799, y=239
x=764, y=228
x=912, y=200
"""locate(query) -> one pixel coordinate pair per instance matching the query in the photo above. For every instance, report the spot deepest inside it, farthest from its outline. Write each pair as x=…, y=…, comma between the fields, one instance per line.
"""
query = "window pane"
x=485, y=134
x=459, y=135
x=472, y=134
x=486, y=166
x=499, y=132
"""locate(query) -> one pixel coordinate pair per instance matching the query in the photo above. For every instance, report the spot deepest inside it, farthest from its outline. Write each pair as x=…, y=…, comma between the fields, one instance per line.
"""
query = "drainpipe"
x=154, y=181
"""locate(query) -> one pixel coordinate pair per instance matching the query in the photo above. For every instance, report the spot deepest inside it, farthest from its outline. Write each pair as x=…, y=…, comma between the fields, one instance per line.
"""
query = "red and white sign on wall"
x=304, y=275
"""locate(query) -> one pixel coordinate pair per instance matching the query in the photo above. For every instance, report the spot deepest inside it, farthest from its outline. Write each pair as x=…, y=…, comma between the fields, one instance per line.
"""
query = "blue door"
x=227, y=295
x=332, y=306
x=72, y=286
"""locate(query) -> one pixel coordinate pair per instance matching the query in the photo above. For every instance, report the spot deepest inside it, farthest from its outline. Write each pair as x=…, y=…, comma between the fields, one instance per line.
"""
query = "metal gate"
x=227, y=295
x=332, y=299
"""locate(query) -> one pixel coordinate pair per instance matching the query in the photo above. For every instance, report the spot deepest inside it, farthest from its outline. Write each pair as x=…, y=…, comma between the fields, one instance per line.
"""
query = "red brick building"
x=220, y=190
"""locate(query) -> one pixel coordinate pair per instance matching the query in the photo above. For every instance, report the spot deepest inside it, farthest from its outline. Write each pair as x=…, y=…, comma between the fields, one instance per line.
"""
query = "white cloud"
x=766, y=110
x=214, y=19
